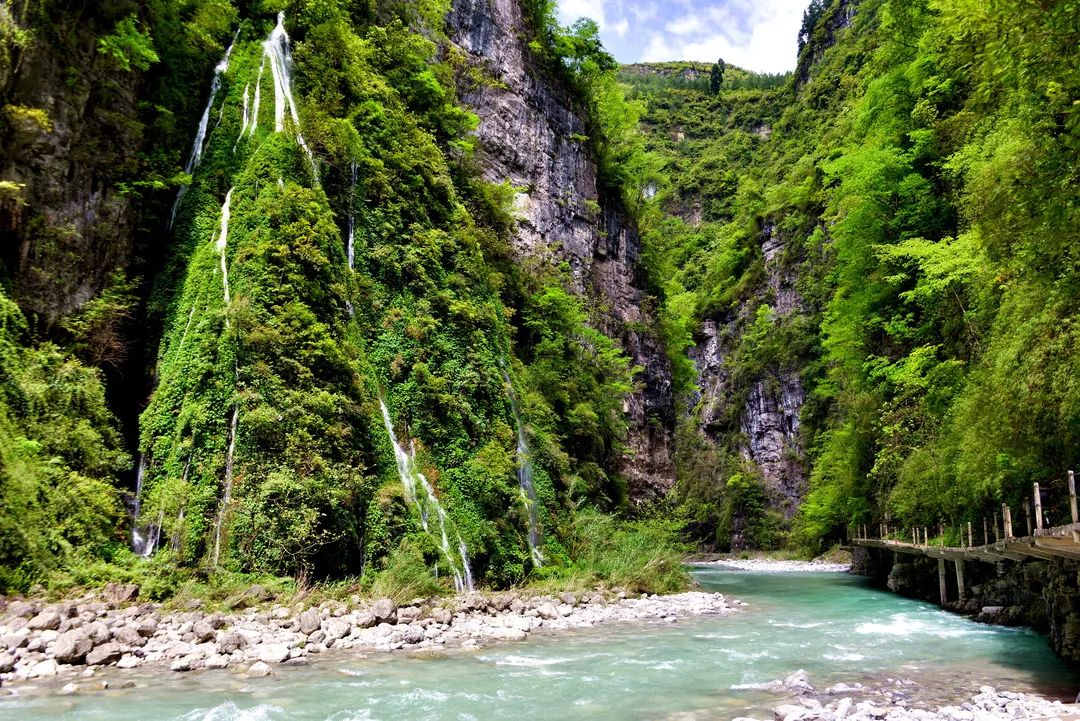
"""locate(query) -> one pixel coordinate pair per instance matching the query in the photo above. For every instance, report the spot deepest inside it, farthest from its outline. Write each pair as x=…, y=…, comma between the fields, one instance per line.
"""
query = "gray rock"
x=383, y=610
x=7, y=663
x=147, y=627
x=272, y=652
x=259, y=669
x=217, y=661
x=13, y=641
x=98, y=632
x=186, y=663
x=233, y=642
x=202, y=631
x=336, y=628
x=442, y=615
x=22, y=609
x=71, y=647
x=121, y=592
x=310, y=620
x=409, y=614
x=104, y=654
x=547, y=611
x=409, y=634
x=568, y=598
x=129, y=636
x=259, y=594
x=799, y=682
x=43, y=669
x=365, y=619
x=46, y=620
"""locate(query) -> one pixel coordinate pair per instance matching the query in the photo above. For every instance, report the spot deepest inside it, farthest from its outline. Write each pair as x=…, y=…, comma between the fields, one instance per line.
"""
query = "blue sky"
x=758, y=35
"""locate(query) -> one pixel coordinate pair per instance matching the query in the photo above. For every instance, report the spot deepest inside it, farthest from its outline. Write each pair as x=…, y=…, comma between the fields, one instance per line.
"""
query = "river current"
x=834, y=626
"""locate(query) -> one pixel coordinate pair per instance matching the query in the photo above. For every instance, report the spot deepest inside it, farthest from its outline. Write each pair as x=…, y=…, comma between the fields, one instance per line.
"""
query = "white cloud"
x=755, y=34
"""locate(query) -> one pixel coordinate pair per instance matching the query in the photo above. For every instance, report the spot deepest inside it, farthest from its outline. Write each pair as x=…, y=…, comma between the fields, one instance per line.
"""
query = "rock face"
x=66, y=138
x=530, y=135
x=763, y=410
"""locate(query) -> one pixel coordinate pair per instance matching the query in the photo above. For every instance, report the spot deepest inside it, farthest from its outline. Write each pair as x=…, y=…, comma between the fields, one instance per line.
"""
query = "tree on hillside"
x=716, y=76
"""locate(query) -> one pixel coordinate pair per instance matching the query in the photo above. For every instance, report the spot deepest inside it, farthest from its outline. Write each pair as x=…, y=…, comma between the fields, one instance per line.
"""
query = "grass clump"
x=406, y=576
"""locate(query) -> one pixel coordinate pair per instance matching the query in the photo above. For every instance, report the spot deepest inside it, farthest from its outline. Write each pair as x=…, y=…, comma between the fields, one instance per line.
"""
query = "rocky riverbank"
x=897, y=700
x=74, y=639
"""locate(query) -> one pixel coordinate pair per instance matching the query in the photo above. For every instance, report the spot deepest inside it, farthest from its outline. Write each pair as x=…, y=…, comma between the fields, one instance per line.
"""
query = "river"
x=832, y=625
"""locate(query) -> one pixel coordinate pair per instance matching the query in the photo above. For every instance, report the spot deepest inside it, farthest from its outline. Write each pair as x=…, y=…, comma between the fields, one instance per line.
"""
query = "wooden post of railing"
x=1006, y=515
x=1027, y=515
x=1072, y=504
x=997, y=531
x=941, y=533
x=970, y=543
x=986, y=533
x=925, y=537
x=1038, y=511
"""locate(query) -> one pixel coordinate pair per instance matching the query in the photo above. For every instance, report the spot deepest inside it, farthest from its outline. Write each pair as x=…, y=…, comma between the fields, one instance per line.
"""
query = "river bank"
x=73, y=640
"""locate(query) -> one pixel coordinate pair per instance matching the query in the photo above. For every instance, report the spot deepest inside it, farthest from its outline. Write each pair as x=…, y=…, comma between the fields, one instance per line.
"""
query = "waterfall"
x=245, y=118
x=276, y=50
x=227, y=495
x=411, y=476
x=352, y=214
x=258, y=98
x=222, y=241
x=139, y=541
x=525, y=478
x=200, y=134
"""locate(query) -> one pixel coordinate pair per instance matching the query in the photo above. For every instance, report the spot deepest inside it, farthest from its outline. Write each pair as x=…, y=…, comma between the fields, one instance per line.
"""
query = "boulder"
x=383, y=610
x=799, y=682
x=310, y=620
x=259, y=594
x=7, y=663
x=364, y=619
x=43, y=669
x=442, y=615
x=409, y=614
x=98, y=632
x=547, y=611
x=129, y=661
x=217, y=661
x=21, y=609
x=46, y=620
x=336, y=628
x=233, y=642
x=121, y=592
x=186, y=663
x=272, y=652
x=568, y=598
x=202, y=630
x=104, y=654
x=990, y=614
x=147, y=627
x=259, y=669
x=71, y=647
x=129, y=636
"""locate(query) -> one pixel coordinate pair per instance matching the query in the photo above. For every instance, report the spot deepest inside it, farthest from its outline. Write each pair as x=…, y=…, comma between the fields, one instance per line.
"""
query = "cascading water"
x=258, y=98
x=142, y=539
x=350, y=248
x=276, y=50
x=245, y=117
x=222, y=243
x=410, y=475
x=204, y=121
x=525, y=478
x=227, y=495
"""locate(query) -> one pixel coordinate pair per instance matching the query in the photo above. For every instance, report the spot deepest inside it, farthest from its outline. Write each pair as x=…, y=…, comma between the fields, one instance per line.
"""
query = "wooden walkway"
x=1058, y=543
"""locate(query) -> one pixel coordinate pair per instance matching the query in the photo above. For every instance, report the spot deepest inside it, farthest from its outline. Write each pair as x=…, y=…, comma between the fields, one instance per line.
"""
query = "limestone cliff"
x=530, y=135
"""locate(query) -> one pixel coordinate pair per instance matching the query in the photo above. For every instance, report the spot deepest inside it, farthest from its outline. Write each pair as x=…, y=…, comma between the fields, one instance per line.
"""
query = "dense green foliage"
x=920, y=169
x=262, y=451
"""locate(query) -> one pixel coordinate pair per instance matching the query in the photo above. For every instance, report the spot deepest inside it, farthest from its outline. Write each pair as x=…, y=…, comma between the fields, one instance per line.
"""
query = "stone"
x=21, y=609
x=129, y=661
x=121, y=592
x=46, y=620
x=43, y=669
x=272, y=652
x=185, y=663
x=799, y=682
x=14, y=641
x=129, y=636
x=442, y=615
x=568, y=598
x=990, y=614
x=409, y=634
x=233, y=642
x=7, y=663
x=296, y=661
x=104, y=654
x=259, y=669
x=71, y=647
x=337, y=628
x=409, y=614
x=547, y=611
x=147, y=627
x=259, y=594
x=217, y=661
x=364, y=619
x=202, y=630
x=69, y=688
x=310, y=621
x=383, y=610
x=98, y=632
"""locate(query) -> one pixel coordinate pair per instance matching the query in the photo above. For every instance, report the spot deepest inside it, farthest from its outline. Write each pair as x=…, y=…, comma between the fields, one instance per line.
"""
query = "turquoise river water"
x=834, y=626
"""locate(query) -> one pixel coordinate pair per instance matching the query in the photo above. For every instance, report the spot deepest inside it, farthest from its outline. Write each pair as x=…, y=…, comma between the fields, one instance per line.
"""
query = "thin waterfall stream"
x=411, y=477
x=525, y=477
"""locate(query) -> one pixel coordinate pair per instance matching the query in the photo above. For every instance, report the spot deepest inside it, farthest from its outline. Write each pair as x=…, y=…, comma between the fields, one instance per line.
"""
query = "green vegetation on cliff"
x=919, y=171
